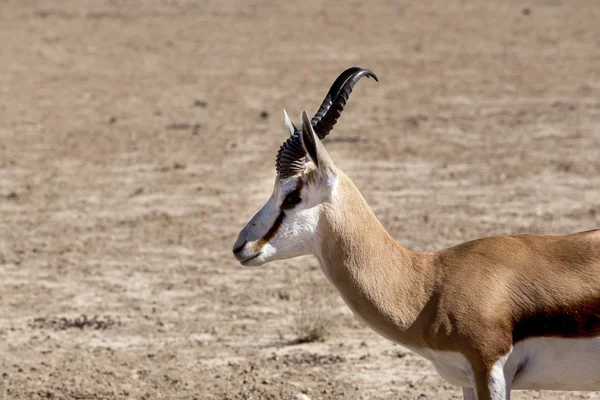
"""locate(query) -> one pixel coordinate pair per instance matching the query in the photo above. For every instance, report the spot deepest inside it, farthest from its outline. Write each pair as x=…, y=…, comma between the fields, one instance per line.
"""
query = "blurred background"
x=138, y=138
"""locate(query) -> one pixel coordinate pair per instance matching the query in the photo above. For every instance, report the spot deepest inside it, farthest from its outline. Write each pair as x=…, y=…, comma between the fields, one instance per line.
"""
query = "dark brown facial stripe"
x=269, y=235
x=581, y=321
x=277, y=224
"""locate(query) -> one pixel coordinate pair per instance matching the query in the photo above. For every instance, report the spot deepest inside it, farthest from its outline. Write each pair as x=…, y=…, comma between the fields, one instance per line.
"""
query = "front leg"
x=471, y=394
x=490, y=384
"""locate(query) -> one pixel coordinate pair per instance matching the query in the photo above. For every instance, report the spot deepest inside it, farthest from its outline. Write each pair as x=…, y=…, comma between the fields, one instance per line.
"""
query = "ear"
x=314, y=148
x=288, y=123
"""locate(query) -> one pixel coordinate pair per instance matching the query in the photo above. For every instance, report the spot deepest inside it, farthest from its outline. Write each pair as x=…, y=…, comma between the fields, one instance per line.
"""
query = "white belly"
x=537, y=363
x=557, y=364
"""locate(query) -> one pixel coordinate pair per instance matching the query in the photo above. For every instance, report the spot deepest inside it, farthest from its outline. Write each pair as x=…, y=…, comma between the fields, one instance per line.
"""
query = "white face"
x=286, y=226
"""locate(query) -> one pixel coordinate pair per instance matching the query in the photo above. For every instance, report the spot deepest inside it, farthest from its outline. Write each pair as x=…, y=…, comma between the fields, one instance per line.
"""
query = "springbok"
x=493, y=314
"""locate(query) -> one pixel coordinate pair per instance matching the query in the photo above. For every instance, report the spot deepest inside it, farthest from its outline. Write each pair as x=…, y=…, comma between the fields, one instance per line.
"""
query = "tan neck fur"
x=386, y=285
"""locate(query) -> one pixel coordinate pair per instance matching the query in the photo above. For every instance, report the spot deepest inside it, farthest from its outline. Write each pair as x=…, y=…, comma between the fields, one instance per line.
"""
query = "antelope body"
x=493, y=314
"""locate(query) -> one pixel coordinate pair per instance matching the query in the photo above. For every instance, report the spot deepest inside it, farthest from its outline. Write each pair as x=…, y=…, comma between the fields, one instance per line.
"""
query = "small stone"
x=12, y=196
x=300, y=396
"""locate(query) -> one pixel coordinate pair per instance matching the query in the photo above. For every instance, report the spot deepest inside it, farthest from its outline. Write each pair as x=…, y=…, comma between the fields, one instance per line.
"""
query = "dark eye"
x=291, y=199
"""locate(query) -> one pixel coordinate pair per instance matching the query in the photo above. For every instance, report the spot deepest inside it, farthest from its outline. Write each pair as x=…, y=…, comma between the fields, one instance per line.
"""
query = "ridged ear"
x=315, y=149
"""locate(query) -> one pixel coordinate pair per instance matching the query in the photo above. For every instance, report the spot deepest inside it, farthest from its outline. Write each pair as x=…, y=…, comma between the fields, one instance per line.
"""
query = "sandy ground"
x=137, y=139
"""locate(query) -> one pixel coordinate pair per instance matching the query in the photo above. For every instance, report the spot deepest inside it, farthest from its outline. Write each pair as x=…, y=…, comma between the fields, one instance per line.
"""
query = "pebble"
x=300, y=396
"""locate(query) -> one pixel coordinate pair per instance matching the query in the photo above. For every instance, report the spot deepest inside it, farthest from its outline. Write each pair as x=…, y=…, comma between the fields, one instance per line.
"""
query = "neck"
x=384, y=284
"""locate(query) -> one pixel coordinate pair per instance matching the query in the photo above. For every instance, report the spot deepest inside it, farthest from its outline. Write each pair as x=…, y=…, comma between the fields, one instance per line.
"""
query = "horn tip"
x=371, y=74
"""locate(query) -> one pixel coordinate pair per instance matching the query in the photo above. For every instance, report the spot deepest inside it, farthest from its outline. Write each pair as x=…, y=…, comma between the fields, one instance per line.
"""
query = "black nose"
x=239, y=248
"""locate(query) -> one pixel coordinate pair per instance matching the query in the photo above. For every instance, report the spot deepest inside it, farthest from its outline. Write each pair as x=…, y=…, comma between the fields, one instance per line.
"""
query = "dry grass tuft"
x=313, y=317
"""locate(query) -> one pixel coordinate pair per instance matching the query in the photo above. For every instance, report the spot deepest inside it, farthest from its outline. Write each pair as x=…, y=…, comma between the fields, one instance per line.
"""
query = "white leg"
x=498, y=386
x=492, y=385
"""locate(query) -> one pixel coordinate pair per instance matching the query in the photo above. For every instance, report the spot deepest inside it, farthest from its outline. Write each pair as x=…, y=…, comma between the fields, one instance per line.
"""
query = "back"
x=540, y=285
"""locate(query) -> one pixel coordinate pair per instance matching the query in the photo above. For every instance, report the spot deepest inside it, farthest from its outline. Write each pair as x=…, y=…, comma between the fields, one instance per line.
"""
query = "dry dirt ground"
x=137, y=139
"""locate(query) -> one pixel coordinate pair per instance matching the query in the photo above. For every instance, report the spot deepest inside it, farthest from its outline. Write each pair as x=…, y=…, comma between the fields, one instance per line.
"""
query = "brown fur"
x=477, y=298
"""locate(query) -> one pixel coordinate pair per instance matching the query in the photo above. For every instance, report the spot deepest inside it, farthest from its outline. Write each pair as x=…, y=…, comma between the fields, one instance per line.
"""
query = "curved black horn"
x=333, y=104
x=291, y=156
x=333, y=92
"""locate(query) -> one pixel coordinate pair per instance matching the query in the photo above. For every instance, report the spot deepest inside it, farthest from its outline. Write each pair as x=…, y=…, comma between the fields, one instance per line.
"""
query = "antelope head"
x=287, y=225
